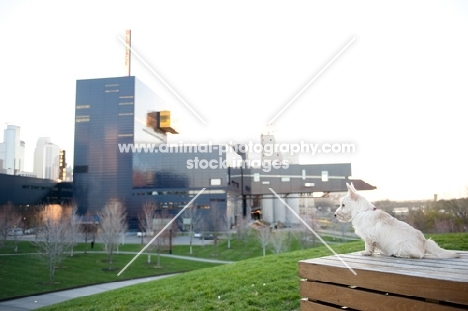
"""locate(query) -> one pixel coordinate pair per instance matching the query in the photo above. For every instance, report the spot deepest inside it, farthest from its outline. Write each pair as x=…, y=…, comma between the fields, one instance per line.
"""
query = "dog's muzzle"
x=342, y=217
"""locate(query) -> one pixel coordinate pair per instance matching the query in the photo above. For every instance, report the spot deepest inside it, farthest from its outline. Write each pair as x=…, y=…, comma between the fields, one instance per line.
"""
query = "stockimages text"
x=265, y=165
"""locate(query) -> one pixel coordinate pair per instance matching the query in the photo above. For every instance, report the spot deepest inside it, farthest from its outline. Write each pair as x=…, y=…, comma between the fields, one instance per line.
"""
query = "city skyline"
x=47, y=156
x=396, y=93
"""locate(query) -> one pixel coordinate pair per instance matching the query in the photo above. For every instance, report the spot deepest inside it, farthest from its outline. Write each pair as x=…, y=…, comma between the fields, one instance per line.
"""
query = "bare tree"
x=288, y=223
x=303, y=234
x=243, y=231
x=458, y=208
x=3, y=225
x=74, y=225
x=202, y=226
x=263, y=234
x=217, y=221
x=444, y=225
x=228, y=230
x=279, y=240
x=53, y=237
x=88, y=227
x=146, y=219
x=113, y=224
x=9, y=222
x=194, y=219
x=161, y=219
x=14, y=220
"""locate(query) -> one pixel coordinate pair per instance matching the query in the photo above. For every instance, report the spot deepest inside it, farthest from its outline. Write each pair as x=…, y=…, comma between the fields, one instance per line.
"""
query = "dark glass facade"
x=104, y=117
x=172, y=169
x=25, y=191
x=170, y=180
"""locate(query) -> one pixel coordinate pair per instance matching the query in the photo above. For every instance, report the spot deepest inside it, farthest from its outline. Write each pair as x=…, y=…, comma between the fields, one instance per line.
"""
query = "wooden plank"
x=307, y=305
x=452, y=269
x=461, y=262
x=365, y=300
x=393, y=281
x=381, y=258
x=453, y=265
x=410, y=267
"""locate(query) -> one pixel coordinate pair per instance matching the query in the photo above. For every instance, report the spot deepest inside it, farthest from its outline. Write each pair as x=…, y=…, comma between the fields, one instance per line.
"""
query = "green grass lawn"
x=25, y=274
x=261, y=283
x=239, y=249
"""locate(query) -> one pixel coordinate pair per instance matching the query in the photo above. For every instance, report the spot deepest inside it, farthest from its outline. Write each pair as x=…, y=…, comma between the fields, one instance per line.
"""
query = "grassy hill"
x=261, y=283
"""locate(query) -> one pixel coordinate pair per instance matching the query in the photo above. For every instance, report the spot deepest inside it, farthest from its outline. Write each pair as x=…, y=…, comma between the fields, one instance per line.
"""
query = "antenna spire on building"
x=128, y=41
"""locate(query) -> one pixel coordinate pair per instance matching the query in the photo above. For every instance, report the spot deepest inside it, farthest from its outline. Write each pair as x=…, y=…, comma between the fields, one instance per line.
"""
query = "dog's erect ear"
x=352, y=191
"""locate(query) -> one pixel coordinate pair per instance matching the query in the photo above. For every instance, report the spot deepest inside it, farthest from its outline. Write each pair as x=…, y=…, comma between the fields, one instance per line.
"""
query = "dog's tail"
x=434, y=249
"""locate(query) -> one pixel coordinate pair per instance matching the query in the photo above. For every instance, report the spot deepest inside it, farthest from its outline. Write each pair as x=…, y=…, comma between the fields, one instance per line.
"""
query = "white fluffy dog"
x=379, y=230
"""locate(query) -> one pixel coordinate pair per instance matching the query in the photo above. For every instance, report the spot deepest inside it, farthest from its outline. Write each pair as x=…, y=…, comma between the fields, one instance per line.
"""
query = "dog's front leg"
x=369, y=248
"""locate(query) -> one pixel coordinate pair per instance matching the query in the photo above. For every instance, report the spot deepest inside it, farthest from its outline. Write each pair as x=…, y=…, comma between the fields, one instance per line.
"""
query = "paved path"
x=34, y=302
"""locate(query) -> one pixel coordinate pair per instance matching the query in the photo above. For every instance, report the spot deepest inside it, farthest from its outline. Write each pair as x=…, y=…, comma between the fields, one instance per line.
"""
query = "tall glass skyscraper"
x=109, y=112
x=12, y=151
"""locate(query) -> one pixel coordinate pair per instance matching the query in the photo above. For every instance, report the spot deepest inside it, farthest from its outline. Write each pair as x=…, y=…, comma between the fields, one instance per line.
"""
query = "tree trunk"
x=191, y=237
x=16, y=243
x=110, y=256
x=51, y=271
x=215, y=243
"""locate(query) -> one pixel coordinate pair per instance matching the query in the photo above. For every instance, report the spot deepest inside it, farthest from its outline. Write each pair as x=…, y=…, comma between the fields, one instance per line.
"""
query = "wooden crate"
x=384, y=283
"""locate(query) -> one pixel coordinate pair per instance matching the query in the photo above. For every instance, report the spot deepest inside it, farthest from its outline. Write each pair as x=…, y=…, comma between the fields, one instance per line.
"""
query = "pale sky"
x=397, y=92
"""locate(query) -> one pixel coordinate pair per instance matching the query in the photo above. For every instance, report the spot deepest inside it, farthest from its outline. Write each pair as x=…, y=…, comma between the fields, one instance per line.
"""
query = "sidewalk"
x=35, y=302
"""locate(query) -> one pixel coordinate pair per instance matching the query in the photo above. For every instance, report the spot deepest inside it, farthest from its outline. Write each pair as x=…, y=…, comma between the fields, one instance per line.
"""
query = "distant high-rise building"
x=46, y=159
x=69, y=174
x=12, y=150
x=38, y=167
x=2, y=158
x=51, y=161
x=62, y=166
